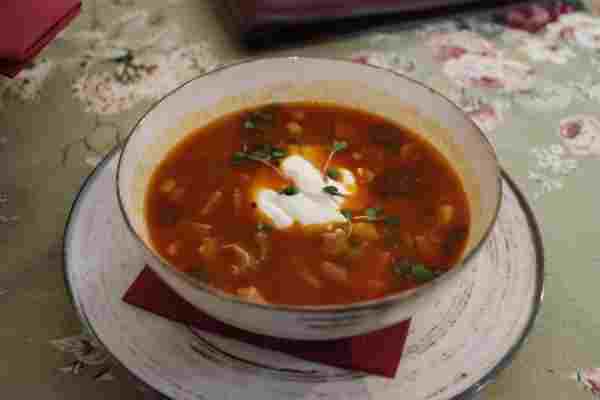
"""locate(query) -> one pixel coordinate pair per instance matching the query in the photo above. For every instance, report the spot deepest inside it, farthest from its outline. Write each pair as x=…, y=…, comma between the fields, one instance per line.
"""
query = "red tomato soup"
x=307, y=204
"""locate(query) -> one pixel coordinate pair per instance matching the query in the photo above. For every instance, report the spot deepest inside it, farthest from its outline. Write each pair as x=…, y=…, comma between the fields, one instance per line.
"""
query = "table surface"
x=536, y=95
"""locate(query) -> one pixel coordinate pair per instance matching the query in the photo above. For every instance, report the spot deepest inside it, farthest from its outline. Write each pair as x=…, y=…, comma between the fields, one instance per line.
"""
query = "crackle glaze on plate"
x=454, y=347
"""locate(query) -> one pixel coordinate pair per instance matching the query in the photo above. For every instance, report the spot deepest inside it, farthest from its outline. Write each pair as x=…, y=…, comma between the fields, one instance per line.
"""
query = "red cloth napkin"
x=376, y=353
x=27, y=26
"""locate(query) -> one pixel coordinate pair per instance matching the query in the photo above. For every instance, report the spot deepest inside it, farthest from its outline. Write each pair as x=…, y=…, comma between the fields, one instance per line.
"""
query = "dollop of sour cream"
x=311, y=205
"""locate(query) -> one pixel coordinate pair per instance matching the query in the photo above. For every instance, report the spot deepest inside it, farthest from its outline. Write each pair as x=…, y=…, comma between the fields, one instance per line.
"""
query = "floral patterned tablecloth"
x=530, y=77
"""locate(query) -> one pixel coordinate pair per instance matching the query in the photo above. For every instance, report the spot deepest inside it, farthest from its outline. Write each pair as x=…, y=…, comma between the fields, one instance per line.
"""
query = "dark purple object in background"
x=263, y=23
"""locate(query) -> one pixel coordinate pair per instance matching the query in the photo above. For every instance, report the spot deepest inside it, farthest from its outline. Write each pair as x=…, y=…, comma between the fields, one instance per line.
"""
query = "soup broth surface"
x=307, y=204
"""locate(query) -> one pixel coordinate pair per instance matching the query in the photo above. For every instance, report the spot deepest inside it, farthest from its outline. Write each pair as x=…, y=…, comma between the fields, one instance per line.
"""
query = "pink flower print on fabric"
x=583, y=29
x=475, y=71
x=453, y=45
x=580, y=135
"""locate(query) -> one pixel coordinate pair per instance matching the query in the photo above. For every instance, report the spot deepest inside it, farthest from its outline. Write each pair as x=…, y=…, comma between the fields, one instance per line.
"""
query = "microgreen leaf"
x=250, y=124
x=258, y=155
x=332, y=190
x=421, y=273
x=391, y=220
x=339, y=145
x=402, y=269
x=373, y=213
x=278, y=153
x=239, y=157
x=347, y=214
x=262, y=227
x=264, y=153
x=333, y=173
x=290, y=190
x=260, y=119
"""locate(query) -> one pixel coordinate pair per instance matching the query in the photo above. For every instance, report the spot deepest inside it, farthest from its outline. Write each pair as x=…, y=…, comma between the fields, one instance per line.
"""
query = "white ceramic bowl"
x=264, y=81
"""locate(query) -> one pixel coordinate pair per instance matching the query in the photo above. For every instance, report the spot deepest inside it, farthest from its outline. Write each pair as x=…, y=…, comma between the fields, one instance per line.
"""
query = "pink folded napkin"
x=376, y=353
x=27, y=26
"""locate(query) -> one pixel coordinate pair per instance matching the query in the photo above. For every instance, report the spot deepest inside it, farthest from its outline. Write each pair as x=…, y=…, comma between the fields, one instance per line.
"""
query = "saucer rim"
x=469, y=392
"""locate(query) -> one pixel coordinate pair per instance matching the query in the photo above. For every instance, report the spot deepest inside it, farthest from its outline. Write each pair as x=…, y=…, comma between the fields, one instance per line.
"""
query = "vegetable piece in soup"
x=307, y=204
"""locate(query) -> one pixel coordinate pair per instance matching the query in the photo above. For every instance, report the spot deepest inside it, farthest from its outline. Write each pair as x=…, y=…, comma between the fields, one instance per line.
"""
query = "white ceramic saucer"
x=454, y=348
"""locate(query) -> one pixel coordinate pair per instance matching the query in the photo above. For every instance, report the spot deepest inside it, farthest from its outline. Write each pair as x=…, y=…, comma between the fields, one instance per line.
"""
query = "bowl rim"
x=317, y=309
